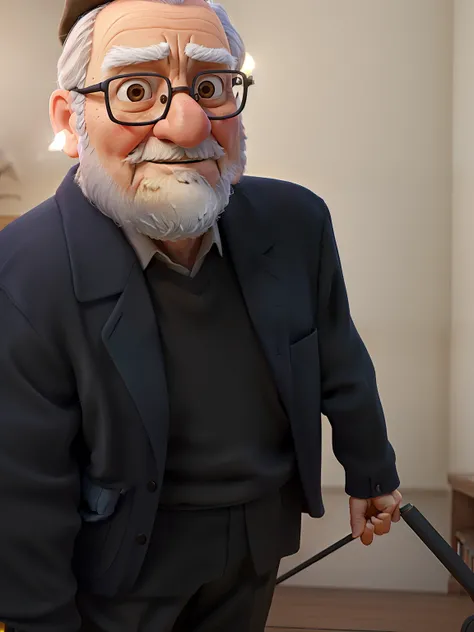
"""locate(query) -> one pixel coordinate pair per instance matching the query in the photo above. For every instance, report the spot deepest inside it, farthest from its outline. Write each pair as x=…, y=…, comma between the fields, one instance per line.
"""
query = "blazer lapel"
x=132, y=339
x=263, y=283
x=104, y=265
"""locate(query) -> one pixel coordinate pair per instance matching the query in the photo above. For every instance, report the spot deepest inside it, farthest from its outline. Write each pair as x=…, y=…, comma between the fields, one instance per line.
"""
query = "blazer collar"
x=102, y=257
x=245, y=227
x=146, y=248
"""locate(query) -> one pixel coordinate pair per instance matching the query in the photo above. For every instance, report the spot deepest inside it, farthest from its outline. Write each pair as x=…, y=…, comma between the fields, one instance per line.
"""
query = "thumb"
x=358, y=510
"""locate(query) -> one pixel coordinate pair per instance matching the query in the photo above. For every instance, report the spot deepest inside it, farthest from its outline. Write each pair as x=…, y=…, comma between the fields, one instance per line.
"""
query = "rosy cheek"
x=110, y=139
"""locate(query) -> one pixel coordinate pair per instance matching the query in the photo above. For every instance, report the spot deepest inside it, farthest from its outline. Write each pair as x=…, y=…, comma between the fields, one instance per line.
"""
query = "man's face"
x=138, y=24
x=170, y=180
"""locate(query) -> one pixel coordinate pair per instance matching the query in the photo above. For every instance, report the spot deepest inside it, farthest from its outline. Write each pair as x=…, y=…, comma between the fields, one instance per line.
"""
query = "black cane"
x=445, y=553
x=439, y=547
x=316, y=558
x=430, y=537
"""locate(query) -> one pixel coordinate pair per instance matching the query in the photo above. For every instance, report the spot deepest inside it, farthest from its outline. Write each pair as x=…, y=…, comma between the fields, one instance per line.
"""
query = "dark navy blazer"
x=83, y=397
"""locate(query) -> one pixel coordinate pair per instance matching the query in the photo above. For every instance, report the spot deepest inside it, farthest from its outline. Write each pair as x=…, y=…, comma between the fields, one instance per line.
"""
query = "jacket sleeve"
x=39, y=482
x=349, y=395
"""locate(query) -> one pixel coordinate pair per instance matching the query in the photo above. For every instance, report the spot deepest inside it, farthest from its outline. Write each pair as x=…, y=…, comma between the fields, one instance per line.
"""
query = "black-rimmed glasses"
x=145, y=98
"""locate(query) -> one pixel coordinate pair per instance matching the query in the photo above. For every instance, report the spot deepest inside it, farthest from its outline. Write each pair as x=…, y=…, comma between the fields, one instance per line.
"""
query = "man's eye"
x=211, y=87
x=135, y=91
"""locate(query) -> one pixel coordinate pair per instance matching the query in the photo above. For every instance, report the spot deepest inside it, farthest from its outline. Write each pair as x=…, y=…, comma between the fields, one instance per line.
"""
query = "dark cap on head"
x=73, y=10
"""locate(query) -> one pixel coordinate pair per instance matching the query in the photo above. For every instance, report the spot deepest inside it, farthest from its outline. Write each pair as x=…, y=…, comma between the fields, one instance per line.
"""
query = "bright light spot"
x=59, y=142
x=249, y=65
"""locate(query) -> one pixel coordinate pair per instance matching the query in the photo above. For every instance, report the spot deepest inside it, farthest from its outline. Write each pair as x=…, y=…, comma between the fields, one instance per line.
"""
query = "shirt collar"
x=146, y=248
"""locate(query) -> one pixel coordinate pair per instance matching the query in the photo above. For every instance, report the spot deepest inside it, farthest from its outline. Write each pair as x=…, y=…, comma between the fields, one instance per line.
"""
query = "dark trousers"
x=206, y=571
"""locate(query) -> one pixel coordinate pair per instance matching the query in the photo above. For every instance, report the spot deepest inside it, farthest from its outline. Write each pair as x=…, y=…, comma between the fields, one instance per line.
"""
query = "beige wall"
x=354, y=100
x=28, y=40
x=462, y=357
x=10, y=188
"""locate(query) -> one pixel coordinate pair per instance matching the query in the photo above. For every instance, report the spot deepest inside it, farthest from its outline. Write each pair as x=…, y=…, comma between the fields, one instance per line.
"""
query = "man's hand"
x=374, y=516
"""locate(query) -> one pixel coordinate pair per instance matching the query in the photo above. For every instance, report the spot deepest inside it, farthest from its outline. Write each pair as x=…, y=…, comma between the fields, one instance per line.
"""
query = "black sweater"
x=229, y=438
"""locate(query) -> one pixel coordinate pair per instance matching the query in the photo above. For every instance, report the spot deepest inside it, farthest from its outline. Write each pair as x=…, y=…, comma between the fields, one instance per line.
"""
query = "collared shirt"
x=146, y=249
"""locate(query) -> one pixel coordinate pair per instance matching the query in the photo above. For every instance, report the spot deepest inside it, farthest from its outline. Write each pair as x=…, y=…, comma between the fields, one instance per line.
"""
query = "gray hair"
x=76, y=55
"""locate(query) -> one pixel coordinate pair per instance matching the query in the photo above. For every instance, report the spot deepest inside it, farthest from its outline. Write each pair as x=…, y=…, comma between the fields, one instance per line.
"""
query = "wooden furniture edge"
x=462, y=516
x=462, y=483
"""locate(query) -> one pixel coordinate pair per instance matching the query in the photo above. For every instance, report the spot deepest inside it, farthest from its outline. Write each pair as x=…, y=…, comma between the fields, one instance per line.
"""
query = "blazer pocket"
x=98, y=503
x=305, y=348
x=105, y=515
x=304, y=358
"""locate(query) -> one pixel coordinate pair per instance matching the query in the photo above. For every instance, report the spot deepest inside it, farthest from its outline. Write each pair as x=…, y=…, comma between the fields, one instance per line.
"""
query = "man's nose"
x=186, y=125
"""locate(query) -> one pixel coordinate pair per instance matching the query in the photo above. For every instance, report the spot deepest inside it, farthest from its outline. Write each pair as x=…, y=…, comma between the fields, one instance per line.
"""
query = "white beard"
x=170, y=207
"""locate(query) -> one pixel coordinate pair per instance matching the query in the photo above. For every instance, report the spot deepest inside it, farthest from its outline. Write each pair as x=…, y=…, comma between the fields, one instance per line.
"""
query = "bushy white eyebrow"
x=124, y=56
x=214, y=55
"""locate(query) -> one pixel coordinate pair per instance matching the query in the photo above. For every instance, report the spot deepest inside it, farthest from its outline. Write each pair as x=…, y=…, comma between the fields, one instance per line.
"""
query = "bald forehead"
x=139, y=22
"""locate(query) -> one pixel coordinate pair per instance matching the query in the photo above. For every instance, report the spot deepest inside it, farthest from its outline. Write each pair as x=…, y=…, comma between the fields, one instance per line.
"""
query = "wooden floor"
x=315, y=610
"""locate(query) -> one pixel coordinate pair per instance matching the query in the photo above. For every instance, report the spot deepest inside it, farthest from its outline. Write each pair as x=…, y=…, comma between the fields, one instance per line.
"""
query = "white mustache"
x=155, y=150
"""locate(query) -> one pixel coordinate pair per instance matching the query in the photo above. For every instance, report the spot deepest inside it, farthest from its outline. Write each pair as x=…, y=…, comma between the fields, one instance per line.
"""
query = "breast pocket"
x=304, y=357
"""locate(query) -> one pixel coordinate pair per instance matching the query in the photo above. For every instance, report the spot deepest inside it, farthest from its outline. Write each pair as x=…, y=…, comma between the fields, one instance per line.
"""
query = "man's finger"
x=358, y=509
x=386, y=520
x=358, y=526
x=379, y=526
x=368, y=535
x=387, y=504
x=398, y=499
x=382, y=523
x=394, y=508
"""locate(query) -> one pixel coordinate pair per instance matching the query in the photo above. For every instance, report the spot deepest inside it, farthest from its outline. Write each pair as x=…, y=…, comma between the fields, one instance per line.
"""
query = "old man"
x=171, y=332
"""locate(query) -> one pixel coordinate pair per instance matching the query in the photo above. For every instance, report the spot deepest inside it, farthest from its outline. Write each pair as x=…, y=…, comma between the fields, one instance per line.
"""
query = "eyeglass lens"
x=142, y=98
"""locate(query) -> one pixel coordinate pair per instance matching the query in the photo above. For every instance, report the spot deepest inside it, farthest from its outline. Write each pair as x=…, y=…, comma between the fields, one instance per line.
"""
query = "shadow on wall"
x=10, y=187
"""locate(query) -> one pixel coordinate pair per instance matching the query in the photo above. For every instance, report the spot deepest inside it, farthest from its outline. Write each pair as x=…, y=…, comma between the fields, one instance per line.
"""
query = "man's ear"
x=63, y=120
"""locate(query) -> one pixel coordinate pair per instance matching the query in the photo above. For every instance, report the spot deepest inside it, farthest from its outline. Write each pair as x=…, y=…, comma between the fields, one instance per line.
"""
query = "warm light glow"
x=59, y=142
x=249, y=65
